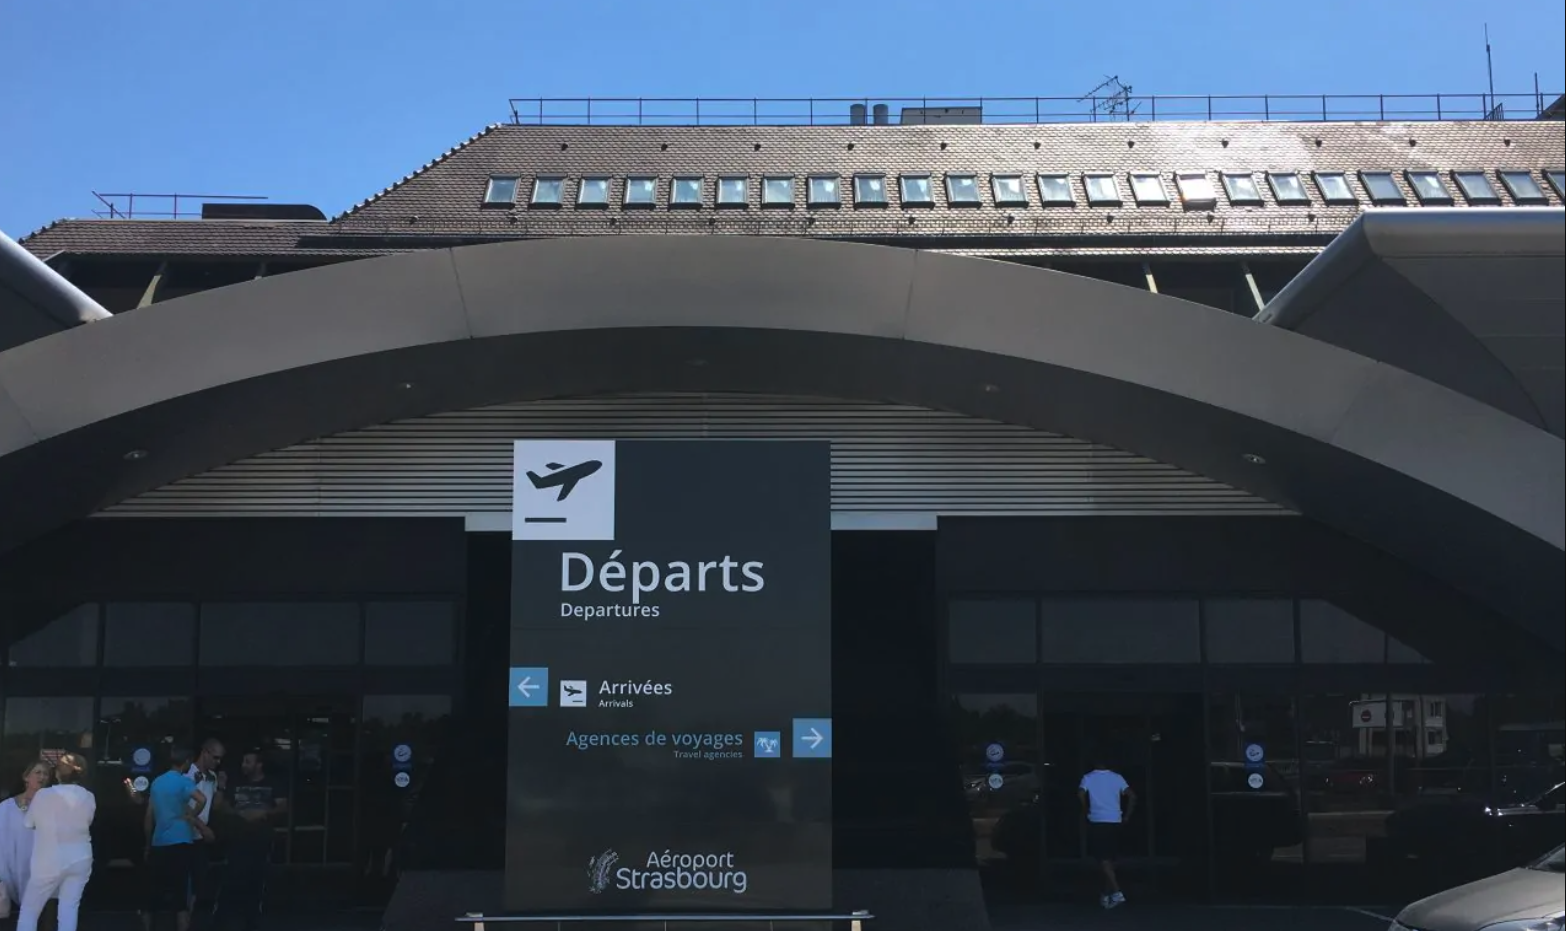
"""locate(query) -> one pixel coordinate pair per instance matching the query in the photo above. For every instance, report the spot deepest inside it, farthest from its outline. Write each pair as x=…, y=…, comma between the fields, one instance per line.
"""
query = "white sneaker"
x=1118, y=898
x=1103, y=900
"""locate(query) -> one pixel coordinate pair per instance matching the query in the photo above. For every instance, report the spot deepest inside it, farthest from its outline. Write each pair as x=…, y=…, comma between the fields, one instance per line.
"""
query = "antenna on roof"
x=1115, y=102
x=1492, y=109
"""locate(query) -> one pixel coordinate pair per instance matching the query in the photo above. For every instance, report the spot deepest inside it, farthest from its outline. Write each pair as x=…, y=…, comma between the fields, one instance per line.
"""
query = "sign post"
x=670, y=737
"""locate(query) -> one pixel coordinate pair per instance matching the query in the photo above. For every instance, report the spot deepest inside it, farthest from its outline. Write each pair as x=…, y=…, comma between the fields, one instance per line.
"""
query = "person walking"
x=1107, y=803
x=61, y=818
x=172, y=824
x=16, y=838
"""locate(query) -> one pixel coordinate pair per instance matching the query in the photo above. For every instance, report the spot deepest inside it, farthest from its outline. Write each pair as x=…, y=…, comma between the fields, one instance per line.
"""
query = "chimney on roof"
x=883, y=115
x=856, y=114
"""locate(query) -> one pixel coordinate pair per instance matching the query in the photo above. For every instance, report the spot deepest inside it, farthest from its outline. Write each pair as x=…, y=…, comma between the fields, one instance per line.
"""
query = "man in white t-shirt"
x=206, y=773
x=1107, y=803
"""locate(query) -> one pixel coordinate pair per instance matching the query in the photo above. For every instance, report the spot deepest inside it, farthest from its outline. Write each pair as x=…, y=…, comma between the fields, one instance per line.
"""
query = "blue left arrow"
x=529, y=687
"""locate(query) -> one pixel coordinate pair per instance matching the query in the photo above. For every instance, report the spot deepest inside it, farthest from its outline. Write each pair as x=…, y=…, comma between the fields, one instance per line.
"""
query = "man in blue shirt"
x=172, y=827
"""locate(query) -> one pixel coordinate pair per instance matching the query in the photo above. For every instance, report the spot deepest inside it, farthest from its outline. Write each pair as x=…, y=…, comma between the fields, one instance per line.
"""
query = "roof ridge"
x=416, y=173
x=41, y=230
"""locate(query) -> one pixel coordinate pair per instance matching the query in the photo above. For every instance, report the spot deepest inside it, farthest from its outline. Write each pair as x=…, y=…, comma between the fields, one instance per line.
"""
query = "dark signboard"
x=670, y=691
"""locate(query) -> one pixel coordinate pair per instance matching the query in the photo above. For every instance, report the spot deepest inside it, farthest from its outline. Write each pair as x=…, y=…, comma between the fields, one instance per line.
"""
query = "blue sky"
x=328, y=101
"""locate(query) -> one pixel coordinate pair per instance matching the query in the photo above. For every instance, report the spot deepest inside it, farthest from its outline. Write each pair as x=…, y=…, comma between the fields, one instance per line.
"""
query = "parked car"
x=1476, y=834
x=1531, y=898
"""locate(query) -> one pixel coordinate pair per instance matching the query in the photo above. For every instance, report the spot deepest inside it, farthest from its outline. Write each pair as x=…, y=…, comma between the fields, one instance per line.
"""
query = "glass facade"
x=326, y=690
x=1282, y=749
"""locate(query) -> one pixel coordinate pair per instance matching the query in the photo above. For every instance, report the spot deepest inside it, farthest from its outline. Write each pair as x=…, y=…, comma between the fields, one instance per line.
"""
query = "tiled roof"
x=444, y=198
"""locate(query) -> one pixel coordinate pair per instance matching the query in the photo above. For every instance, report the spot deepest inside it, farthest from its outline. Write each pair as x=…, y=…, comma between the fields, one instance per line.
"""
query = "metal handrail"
x=855, y=919
x=1096, y=108
x=122, y=206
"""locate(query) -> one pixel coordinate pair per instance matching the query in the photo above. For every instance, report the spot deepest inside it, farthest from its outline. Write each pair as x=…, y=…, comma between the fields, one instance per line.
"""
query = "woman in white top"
x=61, y=819
x=16, y=840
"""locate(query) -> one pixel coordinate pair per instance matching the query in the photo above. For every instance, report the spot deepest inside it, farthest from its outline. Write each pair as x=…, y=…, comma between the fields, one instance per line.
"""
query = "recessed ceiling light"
x=1253, y=459
x=405, y=385
x=696, y=363
x=990, y=389
x=136, y=455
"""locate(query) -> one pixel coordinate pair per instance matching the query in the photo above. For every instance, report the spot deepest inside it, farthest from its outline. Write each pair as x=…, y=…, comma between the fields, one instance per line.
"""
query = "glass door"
x=997, y=736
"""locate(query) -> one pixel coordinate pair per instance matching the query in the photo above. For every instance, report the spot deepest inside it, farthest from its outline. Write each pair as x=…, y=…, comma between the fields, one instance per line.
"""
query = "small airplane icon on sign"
x=562, y=477
x=571, y=690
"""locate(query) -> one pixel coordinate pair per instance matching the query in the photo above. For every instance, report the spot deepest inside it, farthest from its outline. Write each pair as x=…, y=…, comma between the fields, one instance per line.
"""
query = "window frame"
x=1370, y=178
x=929, y=189
x=1019, y=199
x=1506, y=175
x=1493, y=195
x=1444, y=199
x=835, y=200
x=1285, y=199
x=860, y=200
x=1146, y=177
x=1342, y=200
x=539, y=181
x=1045, y=200
x=721, y=199
x=582, y=187
x=675, y=203
x=1210, y=202
x=633, y=182
x=1253, y=199
x=490, y=200
x=1117, y=198
x=951, y=194
x=766, y=192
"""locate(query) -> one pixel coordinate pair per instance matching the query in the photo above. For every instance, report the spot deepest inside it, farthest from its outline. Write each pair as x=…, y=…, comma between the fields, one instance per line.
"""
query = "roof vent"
x=856, y=115
x=266, y=211
x=883, y=114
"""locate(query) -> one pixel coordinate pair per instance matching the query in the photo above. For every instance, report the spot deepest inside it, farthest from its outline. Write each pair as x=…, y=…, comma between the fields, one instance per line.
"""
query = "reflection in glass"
x=400, y=737
x=1249, y=630
x=134, y=736
x=43, y=728
x=68, y=640
x=280, y=634
x=593, y=192
x=1101, y=189
x=916, y=191
x=1287, y=187
x=409, y=633
x=992, y=631
x=148, y=634
x=1346, y=775
x=1120, y=630
x=997, y=743
x=777, y=192
x=1254, y=778
x=1055, y=189
x=732, y=192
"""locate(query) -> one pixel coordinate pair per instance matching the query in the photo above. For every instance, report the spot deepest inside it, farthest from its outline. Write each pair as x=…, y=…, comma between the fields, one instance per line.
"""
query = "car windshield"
x=1554, y=861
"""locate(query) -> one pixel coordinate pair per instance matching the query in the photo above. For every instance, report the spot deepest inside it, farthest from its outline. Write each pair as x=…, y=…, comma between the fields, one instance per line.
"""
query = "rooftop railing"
x=144, y=206
x=849, y=111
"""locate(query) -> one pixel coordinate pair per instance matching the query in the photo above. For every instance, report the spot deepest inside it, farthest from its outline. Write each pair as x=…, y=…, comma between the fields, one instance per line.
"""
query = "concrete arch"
x=1464, y=491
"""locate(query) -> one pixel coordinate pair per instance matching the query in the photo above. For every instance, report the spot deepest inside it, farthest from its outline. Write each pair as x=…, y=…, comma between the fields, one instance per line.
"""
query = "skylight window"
x=593, y=192
x=777, y=191
x=733, y=192
x=502, y=189
x=869, y=191
x=1557, y=181
x=641, y=192
x=686, y=193
x=1287, y=188
x=1522, y=187
x=1196, y=190
x=1242, y=189
x=1148, y=189
x=1476, y=187
x=916, y=191
x=823, y=191
x=1008, y=191
x=1382, y=188
x=1102, y=191
x=547, y=192
x=1055, y=190
x=1334, y=187
x=1428, y=187
x=962, y=190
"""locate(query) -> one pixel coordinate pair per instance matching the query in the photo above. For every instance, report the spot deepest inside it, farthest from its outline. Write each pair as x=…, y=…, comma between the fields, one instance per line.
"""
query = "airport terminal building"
x=1229, y=449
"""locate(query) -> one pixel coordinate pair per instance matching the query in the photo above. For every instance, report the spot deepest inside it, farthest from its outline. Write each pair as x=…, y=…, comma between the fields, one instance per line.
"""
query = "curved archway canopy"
x=98, y=413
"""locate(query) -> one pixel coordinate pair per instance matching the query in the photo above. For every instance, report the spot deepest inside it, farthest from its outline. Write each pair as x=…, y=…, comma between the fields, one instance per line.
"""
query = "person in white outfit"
x=61, y=819
x=16, y=839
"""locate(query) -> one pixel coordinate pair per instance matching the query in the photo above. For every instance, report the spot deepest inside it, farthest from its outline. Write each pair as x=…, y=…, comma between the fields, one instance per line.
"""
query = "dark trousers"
x=243, y=887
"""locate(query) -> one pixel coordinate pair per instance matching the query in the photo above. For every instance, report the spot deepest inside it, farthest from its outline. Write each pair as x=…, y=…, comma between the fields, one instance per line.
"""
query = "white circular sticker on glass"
x=402, y=753
x=996, y=780
x=1254, y=753
x=1254, y=780
x=401, y=780
x=141, y=756
x=995, y=753
x=140, y=783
